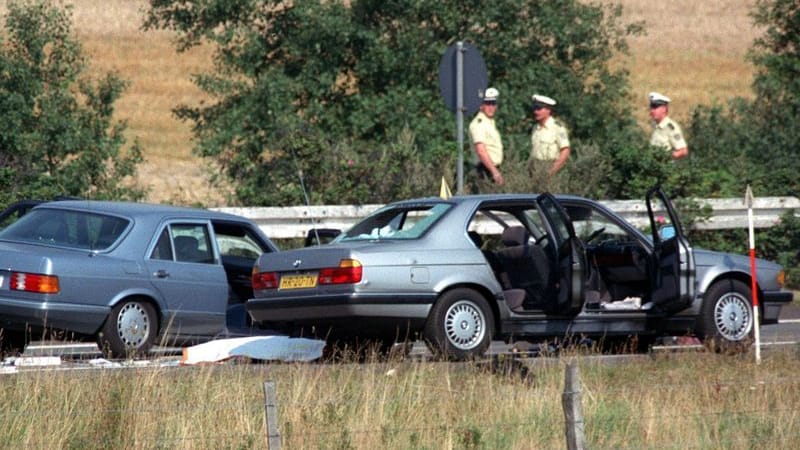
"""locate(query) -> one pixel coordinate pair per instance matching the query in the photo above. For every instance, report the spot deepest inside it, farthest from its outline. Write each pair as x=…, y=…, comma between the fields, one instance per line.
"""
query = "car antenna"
x=305, y=196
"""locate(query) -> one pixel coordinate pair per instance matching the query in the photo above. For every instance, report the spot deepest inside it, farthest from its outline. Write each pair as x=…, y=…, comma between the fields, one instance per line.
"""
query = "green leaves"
x=57, y=136
x=306, y=83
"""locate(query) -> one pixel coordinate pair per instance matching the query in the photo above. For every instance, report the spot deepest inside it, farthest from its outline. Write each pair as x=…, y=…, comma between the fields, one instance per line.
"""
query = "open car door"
x=673, y=274
x=570, y=256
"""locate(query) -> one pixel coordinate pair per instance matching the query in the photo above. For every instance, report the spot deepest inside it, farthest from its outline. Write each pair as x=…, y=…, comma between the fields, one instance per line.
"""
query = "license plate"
x=298, y=281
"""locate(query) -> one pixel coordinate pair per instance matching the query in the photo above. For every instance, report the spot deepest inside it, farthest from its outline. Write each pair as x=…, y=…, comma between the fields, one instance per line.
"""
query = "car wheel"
x=726, y=318
x=460, y=325
x=130, y=329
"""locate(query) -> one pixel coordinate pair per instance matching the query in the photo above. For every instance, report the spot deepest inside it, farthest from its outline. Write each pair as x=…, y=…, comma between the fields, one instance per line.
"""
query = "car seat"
x=187, y=249
x=524, y=266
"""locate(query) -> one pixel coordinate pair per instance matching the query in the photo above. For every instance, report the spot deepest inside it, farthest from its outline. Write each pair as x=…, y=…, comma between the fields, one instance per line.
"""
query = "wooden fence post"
x=271, y=405
x=573, y=410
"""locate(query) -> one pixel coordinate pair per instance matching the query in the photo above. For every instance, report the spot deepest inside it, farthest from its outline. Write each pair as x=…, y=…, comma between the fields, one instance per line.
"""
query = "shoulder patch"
x=671, y=126
x=480, y=120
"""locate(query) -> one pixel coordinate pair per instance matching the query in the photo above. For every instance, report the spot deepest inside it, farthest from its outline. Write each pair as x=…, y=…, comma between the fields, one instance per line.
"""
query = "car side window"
x=163, y=248
x=184, y=243
x=238, y=241
x=192, y=243
x=591, y=225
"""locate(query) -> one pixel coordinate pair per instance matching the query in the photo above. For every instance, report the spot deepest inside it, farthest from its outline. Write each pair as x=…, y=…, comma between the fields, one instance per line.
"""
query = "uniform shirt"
x=547, y=140
x=482, y=129
x=667, y=134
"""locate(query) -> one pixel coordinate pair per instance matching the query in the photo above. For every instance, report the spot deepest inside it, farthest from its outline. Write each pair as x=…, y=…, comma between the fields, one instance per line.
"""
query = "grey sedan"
x=462, y=271
x=127, y=274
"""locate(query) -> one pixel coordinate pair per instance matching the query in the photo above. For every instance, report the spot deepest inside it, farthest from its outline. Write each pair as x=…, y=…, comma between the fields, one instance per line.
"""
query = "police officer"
x=666, y=133
x=486, y=142
x=549, y=138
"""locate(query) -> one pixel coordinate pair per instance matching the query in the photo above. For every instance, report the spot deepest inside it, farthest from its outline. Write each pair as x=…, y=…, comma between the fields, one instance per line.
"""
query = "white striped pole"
x=748, y=200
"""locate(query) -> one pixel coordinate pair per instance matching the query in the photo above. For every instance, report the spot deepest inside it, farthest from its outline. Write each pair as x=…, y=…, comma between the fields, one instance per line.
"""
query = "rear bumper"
x=343, y=308
x=17, y=314
x=772, y=303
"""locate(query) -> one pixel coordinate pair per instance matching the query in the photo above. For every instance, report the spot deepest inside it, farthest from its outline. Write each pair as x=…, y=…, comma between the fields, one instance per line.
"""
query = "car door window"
x=163, y=248
x=593, y=227
x=192, y=243
x=184, y=243
x=238, y=241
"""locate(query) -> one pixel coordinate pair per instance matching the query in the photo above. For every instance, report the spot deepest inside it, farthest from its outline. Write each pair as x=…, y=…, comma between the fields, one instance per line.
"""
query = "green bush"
x=57, y=136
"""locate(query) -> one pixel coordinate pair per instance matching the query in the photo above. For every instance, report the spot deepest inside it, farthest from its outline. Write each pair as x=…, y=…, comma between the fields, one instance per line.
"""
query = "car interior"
x=516, y=248
x=515, y=245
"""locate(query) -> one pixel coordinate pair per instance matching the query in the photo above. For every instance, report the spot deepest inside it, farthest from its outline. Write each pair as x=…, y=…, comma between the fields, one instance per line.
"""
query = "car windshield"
x=396, y=222
x=66, y=228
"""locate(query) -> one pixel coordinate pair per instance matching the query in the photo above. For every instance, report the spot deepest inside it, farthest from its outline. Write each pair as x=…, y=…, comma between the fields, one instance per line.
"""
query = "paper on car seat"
x=279, y=348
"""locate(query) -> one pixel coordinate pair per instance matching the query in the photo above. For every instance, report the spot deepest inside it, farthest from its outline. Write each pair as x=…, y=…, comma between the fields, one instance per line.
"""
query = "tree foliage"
x=57, y=136
x=347, y=92
x=756, y=141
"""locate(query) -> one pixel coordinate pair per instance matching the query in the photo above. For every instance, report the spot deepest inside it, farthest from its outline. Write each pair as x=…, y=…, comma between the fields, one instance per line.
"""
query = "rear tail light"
x=348, y=272
x=33, y=282
x=264, y=280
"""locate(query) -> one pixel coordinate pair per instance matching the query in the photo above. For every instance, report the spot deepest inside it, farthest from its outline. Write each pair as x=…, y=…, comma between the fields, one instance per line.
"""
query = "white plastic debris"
x=37, y=361
x=274, y=348
x=629, y=303
x=102, y=362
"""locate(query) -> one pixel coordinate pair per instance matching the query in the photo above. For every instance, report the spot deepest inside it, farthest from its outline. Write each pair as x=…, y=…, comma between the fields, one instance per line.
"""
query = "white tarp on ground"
x=274, y=348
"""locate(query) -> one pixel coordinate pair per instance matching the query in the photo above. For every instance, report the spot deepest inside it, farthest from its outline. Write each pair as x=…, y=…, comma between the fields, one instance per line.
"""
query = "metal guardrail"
x=295, y=221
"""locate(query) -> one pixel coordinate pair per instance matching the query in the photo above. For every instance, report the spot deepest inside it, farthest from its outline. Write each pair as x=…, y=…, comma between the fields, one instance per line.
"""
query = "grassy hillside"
x=693, y=52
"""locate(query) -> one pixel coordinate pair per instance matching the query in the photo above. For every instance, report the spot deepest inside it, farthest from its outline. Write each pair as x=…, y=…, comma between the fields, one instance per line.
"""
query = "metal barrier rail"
x=295, y=221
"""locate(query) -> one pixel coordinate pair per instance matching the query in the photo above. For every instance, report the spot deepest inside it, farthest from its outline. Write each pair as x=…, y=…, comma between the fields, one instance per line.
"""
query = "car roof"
x=477, y=198
x=130, y=209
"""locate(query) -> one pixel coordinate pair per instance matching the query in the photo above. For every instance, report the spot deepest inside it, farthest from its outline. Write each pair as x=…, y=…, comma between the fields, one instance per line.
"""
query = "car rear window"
x=65, y=228
x=396, y=222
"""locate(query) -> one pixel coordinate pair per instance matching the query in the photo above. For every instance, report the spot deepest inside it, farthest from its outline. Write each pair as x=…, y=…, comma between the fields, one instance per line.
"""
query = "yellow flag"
x=444, y=191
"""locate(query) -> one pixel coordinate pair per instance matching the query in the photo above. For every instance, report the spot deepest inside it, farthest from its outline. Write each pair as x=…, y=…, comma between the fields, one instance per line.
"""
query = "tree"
x=336, y=90
x=57, y=136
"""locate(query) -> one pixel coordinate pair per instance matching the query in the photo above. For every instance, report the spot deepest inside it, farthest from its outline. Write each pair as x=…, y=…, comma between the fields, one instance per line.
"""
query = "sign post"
x=748, y=201
x=462, y=81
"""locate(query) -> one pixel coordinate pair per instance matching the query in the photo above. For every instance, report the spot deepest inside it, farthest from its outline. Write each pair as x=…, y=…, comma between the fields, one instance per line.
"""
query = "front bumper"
x=772, y=302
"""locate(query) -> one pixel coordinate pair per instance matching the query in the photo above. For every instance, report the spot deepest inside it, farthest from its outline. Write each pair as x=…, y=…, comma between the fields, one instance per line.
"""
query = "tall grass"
x=694, y=401
x=693, y=52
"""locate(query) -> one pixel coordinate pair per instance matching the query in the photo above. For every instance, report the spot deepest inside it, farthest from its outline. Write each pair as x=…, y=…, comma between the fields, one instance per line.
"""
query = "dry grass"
x=694, y=52
x=697, y=401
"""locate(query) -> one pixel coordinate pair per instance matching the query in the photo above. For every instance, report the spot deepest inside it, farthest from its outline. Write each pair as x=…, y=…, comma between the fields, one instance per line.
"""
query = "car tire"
x=726, y=317
x=460, y=325
x=130, y=330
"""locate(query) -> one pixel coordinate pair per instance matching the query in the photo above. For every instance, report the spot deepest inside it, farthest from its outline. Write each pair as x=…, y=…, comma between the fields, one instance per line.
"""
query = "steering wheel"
x=594, y=234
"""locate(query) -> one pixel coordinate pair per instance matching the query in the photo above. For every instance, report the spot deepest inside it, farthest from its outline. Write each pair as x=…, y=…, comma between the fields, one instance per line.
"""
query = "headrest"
x=515, y=235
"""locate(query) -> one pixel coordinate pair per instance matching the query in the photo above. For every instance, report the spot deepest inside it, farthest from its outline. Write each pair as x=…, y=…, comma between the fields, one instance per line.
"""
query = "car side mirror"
x=666, y=232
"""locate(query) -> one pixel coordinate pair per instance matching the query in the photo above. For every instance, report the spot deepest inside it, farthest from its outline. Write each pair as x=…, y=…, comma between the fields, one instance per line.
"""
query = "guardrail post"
x=573, y=410
x=271, y=405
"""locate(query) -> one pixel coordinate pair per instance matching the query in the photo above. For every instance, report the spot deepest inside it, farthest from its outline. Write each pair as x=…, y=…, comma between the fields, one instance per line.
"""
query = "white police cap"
x=657, y=99
x=491, y=95
x=543, y=100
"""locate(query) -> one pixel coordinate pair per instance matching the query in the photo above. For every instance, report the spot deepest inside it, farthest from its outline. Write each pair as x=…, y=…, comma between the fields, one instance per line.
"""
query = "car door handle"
x=161, y=273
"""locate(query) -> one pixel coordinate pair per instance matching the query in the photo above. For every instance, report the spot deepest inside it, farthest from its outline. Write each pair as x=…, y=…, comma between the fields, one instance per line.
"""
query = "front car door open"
x=673, y=271
x=570, y=255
